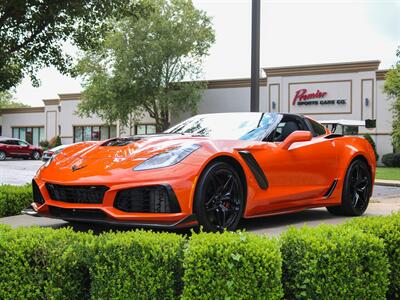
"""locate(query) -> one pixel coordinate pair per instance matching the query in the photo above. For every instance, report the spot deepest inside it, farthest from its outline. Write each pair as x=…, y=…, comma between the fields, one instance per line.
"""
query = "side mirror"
x=295, y=137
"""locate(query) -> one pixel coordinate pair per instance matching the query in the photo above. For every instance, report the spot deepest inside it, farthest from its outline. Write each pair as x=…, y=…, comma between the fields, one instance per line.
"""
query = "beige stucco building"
x=351, y=91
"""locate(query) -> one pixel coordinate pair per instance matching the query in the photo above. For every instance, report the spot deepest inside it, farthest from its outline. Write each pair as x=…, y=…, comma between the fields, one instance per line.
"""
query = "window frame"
x=82, y=129
x=146, y=126
x=18, y=128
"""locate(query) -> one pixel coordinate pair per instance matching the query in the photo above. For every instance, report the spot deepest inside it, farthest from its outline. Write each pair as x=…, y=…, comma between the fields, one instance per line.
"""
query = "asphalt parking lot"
x=18, y=171
x=384, y=201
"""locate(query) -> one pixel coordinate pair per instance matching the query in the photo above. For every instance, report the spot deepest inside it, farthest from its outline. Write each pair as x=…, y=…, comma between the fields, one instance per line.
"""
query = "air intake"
x=150, y=199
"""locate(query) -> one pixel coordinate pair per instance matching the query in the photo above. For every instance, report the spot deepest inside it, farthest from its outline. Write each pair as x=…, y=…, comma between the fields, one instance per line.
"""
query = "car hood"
x=96, y=160
x=135, y=147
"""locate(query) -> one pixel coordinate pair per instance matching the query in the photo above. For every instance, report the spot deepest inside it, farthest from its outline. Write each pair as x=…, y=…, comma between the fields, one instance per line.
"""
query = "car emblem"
x=76, y=168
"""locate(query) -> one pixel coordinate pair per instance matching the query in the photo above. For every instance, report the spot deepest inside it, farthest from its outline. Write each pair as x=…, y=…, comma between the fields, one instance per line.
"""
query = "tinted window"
x=317, y=128
x=12, y=142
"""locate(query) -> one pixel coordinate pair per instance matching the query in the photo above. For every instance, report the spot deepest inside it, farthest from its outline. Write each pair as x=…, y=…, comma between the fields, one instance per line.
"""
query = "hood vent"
x=119, y=142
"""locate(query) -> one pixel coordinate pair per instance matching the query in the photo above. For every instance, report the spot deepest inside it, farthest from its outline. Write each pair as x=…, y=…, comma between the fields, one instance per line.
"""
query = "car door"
x=24, y=148
x=13, y=147
x=299, y=175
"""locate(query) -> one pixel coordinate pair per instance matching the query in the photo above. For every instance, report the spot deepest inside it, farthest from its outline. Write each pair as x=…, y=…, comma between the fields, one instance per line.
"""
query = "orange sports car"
x=210, y=170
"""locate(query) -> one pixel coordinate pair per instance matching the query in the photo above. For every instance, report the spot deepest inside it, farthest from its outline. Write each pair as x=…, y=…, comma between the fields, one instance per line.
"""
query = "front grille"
x=89, y=194
x=150, y=199
x=37, y=195
x=77, y=213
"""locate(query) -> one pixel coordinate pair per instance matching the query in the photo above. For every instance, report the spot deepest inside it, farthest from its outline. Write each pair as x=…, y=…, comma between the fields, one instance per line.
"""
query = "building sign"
x=324, y=97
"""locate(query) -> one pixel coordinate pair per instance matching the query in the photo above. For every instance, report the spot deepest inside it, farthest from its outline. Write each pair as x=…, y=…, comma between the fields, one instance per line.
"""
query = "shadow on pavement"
x=271, y=224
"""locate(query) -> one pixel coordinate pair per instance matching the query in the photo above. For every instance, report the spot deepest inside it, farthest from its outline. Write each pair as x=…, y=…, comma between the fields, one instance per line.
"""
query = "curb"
x=394, y=183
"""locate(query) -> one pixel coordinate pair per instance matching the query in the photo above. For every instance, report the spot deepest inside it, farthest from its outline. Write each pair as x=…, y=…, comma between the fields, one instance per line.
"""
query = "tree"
x=392, y=88
x=7, y=101
x=142, y=65
x=32, y=33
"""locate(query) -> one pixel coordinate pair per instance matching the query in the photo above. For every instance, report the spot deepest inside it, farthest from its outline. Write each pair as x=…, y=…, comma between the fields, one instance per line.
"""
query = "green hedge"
x=13, y=199
x=232, y=266
x=38, y=263
x=137, y=265
x=388, y=229
x=333, y=263
x=328, y=262
x=391, y=159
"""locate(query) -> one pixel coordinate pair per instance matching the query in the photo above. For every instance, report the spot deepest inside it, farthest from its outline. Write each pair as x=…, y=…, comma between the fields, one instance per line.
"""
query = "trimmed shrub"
x=13, y=199
x=388, y=229
x=44, y=144
x=232, y=266
x=330, y=262
x=372, y=143
x=55, y=141
x=391, y=159
x=40, y=263
x=137, y=265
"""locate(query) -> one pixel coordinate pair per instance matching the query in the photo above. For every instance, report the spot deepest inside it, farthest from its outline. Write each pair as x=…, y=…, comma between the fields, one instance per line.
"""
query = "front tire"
x=219, y=198
x=356, y=190
x=2, y=155
x=36, y=155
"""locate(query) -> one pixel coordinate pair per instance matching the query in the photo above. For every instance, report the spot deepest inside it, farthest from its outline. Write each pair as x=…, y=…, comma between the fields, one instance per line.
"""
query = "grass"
x=388, y=173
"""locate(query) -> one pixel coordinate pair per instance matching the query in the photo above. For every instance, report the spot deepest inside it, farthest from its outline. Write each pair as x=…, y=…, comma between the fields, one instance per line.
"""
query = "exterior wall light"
x=273, y=105
x=366, y=102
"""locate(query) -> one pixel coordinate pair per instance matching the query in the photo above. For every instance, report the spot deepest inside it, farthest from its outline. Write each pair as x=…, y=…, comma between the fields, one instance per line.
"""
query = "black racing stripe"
x=255, y=169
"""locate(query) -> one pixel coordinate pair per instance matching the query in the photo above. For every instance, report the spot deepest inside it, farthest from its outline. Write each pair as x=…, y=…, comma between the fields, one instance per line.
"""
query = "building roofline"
x=70, y=96
x=21, y=110
x=344, y=67
x=51, y=101
x=232, y=83
x=380, y=74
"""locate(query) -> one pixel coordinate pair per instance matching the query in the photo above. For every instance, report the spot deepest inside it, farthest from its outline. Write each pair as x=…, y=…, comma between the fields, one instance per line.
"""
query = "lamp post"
x=255, y=56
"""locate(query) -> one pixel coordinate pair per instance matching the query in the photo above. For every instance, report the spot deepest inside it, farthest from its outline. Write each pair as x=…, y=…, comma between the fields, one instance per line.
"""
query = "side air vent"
x=255, y=169
x=331, y=189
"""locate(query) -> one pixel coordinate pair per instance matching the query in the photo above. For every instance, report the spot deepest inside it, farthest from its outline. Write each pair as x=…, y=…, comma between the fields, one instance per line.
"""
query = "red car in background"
x=17, y=148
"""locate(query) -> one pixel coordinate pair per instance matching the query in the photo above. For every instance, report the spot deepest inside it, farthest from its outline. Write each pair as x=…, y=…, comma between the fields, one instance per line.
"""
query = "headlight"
x=168, y=158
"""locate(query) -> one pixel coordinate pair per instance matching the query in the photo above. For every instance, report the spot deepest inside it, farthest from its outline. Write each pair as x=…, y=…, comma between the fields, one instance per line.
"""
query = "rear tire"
x=219, y=198
x=356, y=190
x=2, y=155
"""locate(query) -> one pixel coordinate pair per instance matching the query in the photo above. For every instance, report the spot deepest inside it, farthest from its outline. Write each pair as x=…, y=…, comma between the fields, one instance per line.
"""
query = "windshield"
x=229, y=126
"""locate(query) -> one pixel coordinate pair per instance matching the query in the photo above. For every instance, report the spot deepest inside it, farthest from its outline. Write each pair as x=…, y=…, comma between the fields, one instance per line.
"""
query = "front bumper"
x=187, y=221
x=109, y=214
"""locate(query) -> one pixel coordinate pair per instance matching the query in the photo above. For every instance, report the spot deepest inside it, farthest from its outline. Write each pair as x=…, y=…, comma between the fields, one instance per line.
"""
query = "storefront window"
x=33, y=135
x=113, y=131
x=78, y=134
x=145, y=129
x=87, y=133
x=94, y=133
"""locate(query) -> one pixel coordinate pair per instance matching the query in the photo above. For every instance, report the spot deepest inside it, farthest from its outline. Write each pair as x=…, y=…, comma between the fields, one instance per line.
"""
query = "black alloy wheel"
x=219, y=198
x=356, y=191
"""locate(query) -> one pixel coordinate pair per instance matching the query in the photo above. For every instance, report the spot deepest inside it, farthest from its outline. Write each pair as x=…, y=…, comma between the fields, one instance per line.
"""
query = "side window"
x=317, y=128
x=21, y=143
x=13, y=142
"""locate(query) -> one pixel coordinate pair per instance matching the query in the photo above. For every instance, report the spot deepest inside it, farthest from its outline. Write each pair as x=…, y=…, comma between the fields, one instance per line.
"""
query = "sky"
x=292, y=33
